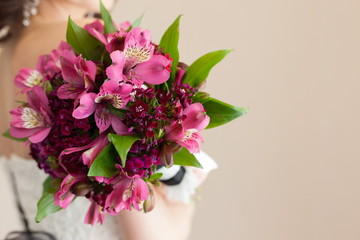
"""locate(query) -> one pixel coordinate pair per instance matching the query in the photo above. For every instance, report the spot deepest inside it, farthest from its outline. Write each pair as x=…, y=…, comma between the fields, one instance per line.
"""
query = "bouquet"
x=107, y=108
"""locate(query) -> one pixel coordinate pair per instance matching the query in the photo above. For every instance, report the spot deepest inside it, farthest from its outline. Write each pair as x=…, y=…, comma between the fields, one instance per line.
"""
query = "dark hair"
x=11, y=14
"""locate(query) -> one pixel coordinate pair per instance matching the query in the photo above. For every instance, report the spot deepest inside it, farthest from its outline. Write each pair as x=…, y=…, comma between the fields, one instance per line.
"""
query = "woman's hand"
x=169, y=220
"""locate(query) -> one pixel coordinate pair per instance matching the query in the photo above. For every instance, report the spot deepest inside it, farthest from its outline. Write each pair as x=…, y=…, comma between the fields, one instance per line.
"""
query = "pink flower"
x=63, y=197
x=27, y=78
x=94, y=214
x=79, y=75
x=32, y=122
x=187, y=132
x=128, y=192
x=49, y=65
x=92, y=149
x=116, y=39
x=137, y=63
x=111, y=93
x=96, y=29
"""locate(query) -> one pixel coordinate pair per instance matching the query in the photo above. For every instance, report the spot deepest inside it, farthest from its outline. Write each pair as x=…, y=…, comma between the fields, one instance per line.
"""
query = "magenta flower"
x=96, y=29
x=128, y=192
x=116, y=39
x=79, y=75
x=111, y=93
x=27, y=78
x=187, y=132
x=94, y=214
x=63, y=197
x=137, y=63
x=92, y=149
x=33, y=122
x=49, y=65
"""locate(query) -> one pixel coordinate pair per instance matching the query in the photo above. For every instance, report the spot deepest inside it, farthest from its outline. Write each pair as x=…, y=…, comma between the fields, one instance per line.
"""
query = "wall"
x=289, y=170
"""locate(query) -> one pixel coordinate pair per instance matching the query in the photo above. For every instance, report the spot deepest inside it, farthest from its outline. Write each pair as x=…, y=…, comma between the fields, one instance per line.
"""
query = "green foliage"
x=136, y=23
x=154, y=177
x=169, y=43
x=221, y=112
x=199, y=70
x=7, y=134
x=106, y=17
x=122, y=145
x=104, y=163
x=83, y=42
x=46, y=205
x=185, y=158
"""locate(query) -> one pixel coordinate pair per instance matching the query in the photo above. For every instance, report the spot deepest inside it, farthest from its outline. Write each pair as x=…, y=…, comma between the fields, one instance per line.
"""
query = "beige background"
x=289, y=170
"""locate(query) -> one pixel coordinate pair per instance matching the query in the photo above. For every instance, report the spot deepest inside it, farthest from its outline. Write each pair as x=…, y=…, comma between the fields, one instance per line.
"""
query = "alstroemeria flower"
x=128, y=192
x=111, y=93
x=116, y=40
x=49, y=65
x=137, y=61
x=27, y=78
x=79, y=75
x=187, y=132
x=63, y=197
x=33, y=121
x=92, y=149
x=94, y=214
x=96, y=29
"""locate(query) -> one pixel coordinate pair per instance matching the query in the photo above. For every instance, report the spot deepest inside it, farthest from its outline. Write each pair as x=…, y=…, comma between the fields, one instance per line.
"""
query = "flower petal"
x=195, y=117
x=40, y=135
x=175, y=132
x=87, y=106
x=94, y=214
x=154, y=71
x=119, y=127
x=102, y=118
x=115, y=71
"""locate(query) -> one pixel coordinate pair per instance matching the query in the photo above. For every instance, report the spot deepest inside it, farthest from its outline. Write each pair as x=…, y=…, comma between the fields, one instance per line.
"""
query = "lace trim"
x=65, y=225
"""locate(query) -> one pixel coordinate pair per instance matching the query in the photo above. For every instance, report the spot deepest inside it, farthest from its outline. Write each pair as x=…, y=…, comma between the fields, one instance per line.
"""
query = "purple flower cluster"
x=66, y=132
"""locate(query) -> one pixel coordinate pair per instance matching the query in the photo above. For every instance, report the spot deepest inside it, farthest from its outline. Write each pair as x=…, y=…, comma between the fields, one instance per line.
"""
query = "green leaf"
x=106, y=17
x=154, y=177
x=46, y=205
x=201, y=97
x=7, y=134
x=199, y=70
x=104, y=163
x=122, y=145
x=83, y=42
x=136, y=23
x=221, y=113
x=169, y=43
x=185, y=158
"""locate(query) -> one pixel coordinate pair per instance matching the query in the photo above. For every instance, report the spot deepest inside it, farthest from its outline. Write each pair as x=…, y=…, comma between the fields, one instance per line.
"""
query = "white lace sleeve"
x=65, y=225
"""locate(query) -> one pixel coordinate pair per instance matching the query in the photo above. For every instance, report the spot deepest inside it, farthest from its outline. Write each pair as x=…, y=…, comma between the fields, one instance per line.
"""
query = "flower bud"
x=149, y=203
x=81, y=189
x=166, y=155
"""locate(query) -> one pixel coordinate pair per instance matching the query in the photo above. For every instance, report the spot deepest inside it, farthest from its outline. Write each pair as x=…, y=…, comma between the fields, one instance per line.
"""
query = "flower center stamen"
x=112, y=99
x=35, y=78
x=135, y=55
x=188, y=134
x=31, y=118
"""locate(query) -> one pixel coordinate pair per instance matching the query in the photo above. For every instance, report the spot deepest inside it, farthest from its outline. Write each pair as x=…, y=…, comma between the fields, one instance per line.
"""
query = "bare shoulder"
x=39, y=40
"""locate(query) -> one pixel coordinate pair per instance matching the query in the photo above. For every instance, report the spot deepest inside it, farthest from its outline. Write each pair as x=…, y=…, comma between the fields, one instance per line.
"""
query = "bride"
x=28, y=29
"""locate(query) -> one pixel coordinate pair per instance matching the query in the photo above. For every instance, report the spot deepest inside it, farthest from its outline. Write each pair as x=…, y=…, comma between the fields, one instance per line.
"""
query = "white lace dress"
x=68, y=224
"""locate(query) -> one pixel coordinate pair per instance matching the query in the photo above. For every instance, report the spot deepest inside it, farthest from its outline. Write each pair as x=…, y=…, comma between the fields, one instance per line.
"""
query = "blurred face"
x=93, y=5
